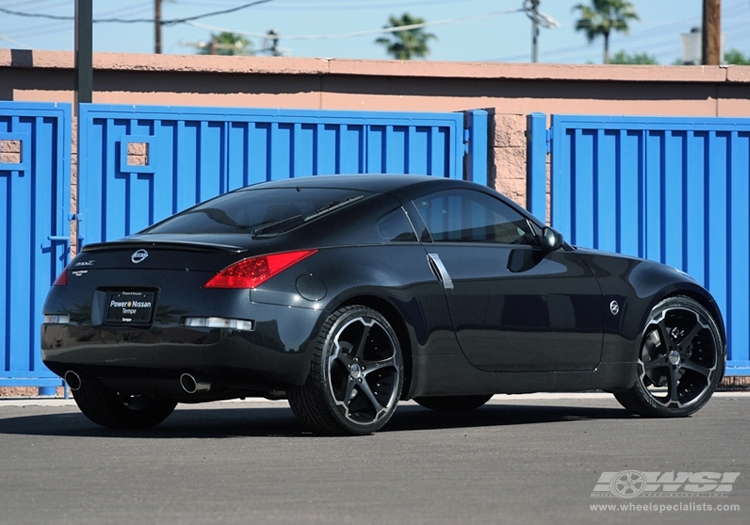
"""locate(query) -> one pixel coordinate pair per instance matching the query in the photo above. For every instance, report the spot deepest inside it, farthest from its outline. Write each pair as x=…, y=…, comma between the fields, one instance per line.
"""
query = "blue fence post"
x=536, y=165
x=476, y=161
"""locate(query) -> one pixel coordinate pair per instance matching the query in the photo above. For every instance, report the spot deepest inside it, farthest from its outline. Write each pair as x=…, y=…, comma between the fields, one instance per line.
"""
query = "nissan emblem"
x=139, y=256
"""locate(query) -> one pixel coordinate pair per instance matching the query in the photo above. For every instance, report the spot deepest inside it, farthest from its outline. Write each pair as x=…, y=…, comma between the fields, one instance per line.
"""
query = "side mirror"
x=551, y=239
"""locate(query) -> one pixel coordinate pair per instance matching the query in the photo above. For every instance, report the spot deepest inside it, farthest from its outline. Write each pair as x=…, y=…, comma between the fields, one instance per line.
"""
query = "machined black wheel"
x=355, y=376
x=112, y=409
x=680, y=363
x=453, y=403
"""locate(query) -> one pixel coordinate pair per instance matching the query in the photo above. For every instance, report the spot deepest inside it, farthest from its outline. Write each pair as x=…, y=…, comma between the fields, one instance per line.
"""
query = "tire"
x=111, y=409
x=680, y=362
x=453, y=403
x=355, y=377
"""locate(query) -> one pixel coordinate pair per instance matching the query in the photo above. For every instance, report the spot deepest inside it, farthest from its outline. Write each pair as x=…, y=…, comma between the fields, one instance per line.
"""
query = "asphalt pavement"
x=531, y=459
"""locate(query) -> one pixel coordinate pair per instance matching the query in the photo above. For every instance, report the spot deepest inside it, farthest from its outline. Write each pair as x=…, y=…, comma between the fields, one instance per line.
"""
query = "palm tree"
x=604, y=16
x=227, y=44
x=409, y=43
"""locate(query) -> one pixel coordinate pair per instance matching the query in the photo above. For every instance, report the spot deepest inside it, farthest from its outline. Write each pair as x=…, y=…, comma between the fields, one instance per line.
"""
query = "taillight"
x=252, y=272
x=62, y=279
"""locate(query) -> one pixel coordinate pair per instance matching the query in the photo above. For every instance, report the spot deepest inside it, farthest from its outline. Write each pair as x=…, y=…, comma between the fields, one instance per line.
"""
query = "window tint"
x=258, y=211
x=472, y=216
x=395, y=227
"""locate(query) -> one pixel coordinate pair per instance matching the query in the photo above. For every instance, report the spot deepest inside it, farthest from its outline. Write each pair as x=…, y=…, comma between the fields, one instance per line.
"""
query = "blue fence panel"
x=674, y=190
x=35, y=143
x=194, y=153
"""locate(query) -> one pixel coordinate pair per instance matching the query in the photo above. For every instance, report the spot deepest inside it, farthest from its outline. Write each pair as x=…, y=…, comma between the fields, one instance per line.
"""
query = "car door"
x=514, y=305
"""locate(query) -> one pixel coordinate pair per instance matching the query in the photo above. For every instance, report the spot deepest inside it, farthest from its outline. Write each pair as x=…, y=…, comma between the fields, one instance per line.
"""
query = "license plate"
x=133, y=308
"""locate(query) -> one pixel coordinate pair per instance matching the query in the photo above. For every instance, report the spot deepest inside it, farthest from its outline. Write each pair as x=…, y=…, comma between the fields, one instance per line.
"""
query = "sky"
x=466, y=30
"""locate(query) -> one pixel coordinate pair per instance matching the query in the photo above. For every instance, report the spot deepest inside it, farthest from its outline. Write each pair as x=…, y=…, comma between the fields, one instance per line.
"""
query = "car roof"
x=401, y=186
x=377, y=183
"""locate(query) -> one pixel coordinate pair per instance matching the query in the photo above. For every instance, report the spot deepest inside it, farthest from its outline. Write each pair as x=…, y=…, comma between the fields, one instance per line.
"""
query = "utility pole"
x=711, y=43
x=535, y=31
x=271, y=43
x=538, y=19
x=84, y=86
x=157, y=27
x=84, y=48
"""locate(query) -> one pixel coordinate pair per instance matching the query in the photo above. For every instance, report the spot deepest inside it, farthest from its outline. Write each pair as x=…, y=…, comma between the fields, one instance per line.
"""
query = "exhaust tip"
x=191, y=385
x=73, y=380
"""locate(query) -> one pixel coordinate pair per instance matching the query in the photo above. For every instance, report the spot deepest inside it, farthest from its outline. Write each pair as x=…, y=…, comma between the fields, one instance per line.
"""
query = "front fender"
x=637, y=285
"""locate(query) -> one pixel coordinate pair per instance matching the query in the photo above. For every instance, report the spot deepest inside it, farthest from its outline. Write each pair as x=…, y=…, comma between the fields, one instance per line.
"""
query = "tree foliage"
x=736, y=57
x=622, y=57
x=409, y=43
x=226, y=43
x=602, y=17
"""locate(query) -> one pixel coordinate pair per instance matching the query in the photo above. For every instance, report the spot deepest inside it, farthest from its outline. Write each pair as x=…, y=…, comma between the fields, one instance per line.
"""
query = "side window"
x=395, y=227
x=472, y=216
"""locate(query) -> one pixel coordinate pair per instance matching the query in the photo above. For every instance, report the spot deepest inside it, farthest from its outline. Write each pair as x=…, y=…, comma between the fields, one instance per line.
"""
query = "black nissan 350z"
x=346, y=294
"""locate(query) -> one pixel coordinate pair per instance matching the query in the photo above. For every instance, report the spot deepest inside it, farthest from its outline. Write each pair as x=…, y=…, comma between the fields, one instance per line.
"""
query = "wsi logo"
x=634, y=483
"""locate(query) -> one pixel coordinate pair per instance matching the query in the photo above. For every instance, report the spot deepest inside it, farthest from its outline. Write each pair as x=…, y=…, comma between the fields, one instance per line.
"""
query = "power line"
x=26, y=3
x=173, y=21
x=12, y=41
x=394, y=29
x=344, y=5
x=60, y=26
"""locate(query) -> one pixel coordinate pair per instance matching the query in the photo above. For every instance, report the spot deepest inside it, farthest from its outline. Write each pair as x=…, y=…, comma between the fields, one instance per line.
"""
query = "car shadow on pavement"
x=409, y=418
x=232, y=422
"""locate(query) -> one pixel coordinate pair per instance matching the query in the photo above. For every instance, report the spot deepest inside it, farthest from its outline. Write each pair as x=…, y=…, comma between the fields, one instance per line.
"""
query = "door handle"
x=438, y=268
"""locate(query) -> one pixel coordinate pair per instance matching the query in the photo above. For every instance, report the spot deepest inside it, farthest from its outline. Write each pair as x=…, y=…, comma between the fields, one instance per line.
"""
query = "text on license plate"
x=130, y=307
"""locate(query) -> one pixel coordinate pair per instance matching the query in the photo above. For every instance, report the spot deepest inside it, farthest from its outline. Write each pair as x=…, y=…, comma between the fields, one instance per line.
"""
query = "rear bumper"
x=274, y=356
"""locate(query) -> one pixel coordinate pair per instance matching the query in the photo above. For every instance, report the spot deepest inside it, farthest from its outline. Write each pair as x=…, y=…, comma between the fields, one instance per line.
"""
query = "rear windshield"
x=260, y=212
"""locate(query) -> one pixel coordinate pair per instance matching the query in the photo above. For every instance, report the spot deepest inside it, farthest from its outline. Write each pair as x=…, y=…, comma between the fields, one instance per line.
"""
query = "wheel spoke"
x=344, y=358
x=348, y=393
x=371, y=366
x=360, y=350
x=659, y=362
x=365, y=389
x=663, y=333
x=697, y=327
x=674, y=382
x=695, y=367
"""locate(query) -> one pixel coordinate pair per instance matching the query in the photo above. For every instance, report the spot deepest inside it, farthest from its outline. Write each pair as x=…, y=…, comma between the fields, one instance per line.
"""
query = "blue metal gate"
x=144, y=163
x=34, y=231
x=141, y=164
x=674, y=190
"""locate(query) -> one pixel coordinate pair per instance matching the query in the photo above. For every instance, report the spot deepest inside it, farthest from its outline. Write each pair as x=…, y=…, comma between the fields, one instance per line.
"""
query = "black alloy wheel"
x=356, y=375
x=112, y=409
x=680, y=362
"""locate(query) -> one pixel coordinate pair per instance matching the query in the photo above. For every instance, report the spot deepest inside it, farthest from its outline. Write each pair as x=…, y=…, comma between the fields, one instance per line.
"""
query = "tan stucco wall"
x=509, y=91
